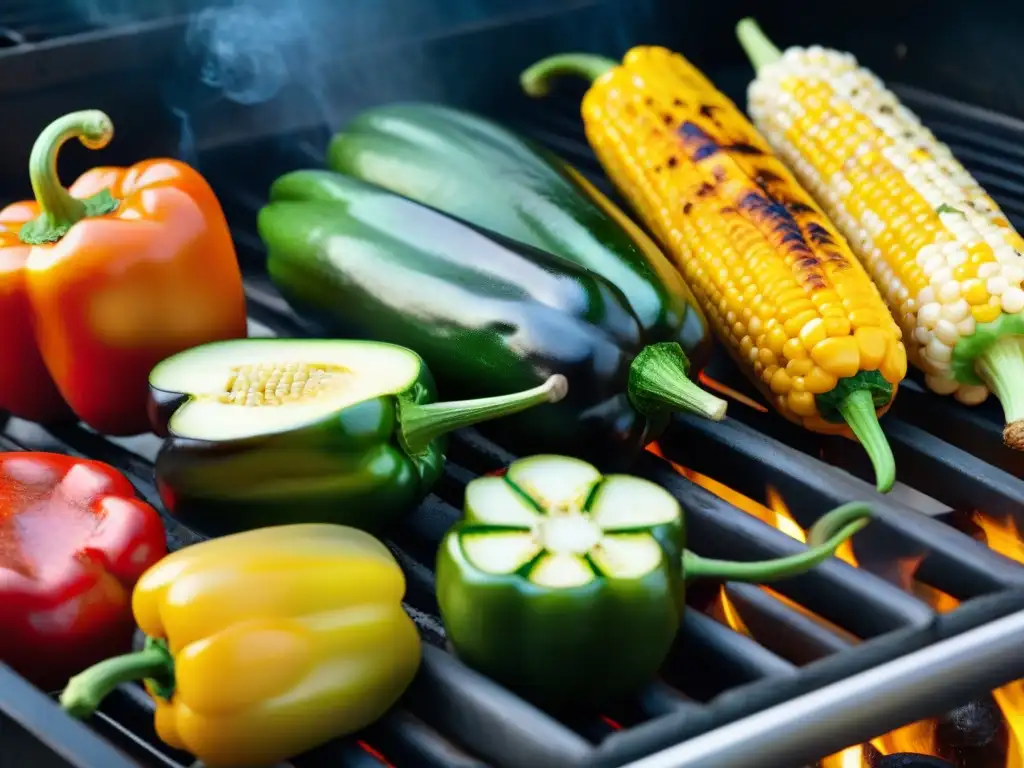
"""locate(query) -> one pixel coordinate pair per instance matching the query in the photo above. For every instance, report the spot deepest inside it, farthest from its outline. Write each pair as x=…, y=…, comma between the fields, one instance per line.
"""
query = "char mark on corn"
x=775, y=277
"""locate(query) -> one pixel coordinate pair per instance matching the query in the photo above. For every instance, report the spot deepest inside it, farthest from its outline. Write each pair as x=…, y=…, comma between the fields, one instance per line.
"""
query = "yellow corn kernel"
x=942, y=254
x=838, y=356
x=986, y=313
x=773, y=275
x=873, y=344
x=819, y=380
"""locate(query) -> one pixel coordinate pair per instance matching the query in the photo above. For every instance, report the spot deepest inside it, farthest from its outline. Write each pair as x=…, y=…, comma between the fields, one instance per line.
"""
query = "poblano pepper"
x=487, y=314
x=485, y=174
x=568, y=586
x=271, y=431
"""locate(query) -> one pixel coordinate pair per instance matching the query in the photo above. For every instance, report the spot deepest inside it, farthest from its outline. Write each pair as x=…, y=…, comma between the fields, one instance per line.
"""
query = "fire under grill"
x=921, y=616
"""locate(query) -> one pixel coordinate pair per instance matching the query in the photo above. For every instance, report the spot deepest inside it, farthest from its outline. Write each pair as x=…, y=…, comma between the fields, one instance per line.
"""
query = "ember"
x=979, y=734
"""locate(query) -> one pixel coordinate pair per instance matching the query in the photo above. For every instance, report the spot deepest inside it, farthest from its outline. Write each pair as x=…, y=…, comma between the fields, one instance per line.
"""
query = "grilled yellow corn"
x=946, y=259
x=784, y=293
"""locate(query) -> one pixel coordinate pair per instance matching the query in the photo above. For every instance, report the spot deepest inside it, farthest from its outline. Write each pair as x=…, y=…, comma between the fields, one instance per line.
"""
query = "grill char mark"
x=764, y=209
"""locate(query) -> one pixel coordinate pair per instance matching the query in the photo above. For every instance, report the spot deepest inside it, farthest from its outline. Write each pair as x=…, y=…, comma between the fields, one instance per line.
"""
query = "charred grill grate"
x=715, y=677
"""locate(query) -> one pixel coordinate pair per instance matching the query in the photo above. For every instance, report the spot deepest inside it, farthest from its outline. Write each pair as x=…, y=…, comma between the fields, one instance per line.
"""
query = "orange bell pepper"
x=101, y=281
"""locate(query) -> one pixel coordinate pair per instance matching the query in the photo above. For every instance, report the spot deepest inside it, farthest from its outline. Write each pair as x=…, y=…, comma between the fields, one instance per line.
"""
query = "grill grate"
x=454, y=717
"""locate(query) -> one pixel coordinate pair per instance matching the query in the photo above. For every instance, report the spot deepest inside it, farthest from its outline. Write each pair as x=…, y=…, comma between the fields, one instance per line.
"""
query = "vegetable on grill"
x=946, y=259
x=265, y=644
x=101, y=281
x=788, y=299
x=73, y=541
x=450, y=160
x=486, y=313
x=568, y=586
x=271, y=431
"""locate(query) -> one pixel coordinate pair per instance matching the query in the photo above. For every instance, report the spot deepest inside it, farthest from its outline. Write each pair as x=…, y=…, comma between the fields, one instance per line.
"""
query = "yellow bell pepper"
x=265, y=644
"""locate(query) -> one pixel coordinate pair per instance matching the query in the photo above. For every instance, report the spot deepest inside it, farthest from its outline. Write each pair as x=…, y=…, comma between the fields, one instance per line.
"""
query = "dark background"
x=185, y=76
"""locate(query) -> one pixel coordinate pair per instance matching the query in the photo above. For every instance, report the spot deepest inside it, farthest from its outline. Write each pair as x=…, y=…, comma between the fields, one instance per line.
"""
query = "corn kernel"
x=986, y=313
x=865, y=317
x=837, y=326
x=873, y=344
x=812, y=333
x=794, y=324
x=780, y=382
x=802, y=403
x=840, y=357
x=819, y=381
x=777, y=339
x=766, y=356
x=793, y=349
x=800, y=366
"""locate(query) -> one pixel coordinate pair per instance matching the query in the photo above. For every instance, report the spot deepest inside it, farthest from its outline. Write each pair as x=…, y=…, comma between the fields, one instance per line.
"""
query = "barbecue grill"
x=823, y=661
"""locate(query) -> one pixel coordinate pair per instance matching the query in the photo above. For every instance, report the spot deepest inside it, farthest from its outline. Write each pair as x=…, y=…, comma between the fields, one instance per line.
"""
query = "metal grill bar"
x=823, y=722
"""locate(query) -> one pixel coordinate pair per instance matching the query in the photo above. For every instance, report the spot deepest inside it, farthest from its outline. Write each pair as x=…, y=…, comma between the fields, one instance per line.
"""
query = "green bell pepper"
x=568, y=586
x=274, y=431
x=487, y=175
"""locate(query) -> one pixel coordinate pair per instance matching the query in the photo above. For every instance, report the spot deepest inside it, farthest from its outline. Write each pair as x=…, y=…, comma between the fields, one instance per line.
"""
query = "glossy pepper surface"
x=101, y=281
x=488, y=314
x=73, y=541
x=568, y=586
x=450, y=160
x=265, y=644
x=273, y=431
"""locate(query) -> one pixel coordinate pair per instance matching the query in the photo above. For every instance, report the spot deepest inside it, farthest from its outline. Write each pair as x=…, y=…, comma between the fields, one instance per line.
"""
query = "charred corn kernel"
x=743, y=233
x=944, y=256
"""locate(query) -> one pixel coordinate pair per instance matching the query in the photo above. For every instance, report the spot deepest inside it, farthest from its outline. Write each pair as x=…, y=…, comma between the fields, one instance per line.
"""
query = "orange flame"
x=727, y=391
x=1004, y=538
x=919, y=737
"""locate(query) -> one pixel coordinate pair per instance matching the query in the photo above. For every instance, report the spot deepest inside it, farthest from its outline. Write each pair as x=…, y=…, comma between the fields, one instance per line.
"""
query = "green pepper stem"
x=658, y=379
x=59, y=210
x=858, y=410
x=759, y=49
x=1001, y=367
x=421, y=423
x=536, y=80
x=823, y=540
x=86, y=690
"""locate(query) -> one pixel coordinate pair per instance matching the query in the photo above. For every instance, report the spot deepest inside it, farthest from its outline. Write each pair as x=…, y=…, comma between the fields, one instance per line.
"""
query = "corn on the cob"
x=784, y=293
x=945, y=257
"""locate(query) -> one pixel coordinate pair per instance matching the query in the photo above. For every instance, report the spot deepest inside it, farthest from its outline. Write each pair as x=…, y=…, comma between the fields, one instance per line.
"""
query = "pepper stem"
x=858, y=410
x=86, y=690
x=658, y=379
x=536, y=80
x=1001, y=366
x=759, y=49
x=59, y=211
x=421, y=423
x=823, y=540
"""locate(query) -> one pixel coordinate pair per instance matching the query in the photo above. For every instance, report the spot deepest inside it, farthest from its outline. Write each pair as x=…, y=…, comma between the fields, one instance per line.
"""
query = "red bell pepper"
x=74, y=539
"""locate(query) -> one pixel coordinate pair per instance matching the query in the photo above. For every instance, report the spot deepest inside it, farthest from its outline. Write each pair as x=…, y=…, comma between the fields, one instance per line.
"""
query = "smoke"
x=250, y=54
x=283, y=55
